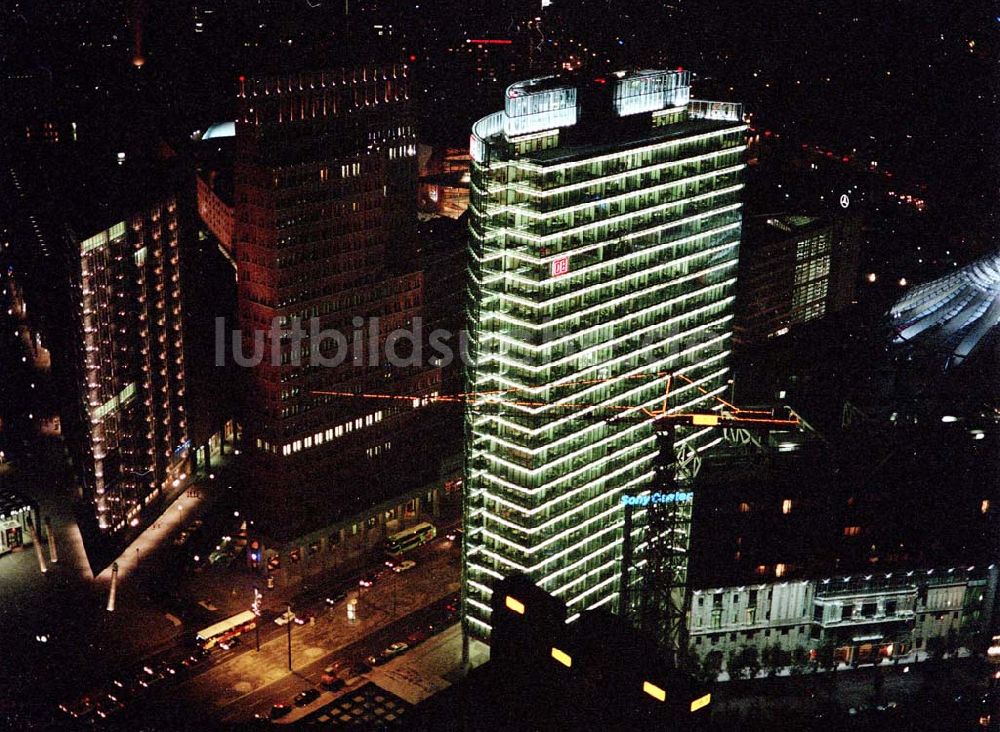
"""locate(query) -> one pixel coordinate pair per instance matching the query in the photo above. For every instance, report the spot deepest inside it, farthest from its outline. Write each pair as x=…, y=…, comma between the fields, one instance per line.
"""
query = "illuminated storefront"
x=604, y=233
x=17, y=514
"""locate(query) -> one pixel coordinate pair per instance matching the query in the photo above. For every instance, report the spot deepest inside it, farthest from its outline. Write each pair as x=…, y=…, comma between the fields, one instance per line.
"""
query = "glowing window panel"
x=562, y=657
x=654, y=691
x=514, y=604
x=701, y=702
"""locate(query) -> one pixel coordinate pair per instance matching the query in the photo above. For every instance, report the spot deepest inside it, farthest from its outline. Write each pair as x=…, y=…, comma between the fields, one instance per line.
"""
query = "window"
x=847, y=612
x=744, y=507
x=890, y=607
x=779, y=570
x=868, y=609
x=818, y=613
x=716, y=619
x=334, y=540
x=786, y=506
x=852, y=530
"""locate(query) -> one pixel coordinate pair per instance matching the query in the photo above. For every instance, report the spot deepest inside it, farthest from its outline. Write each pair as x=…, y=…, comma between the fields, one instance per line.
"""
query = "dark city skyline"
x=535, y=364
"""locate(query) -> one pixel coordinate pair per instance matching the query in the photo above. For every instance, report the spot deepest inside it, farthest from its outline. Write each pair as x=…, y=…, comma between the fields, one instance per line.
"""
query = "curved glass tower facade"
x=604, y=235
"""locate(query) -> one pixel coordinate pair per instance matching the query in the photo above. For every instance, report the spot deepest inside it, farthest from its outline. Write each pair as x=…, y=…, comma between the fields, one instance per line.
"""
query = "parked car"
x=404, y=566
x=181, y=538
x=285, y=618
x=280, y=710
x=306, y=697
x=303, y=618
x=374, y=661
x=454, y=535
x=230, y=643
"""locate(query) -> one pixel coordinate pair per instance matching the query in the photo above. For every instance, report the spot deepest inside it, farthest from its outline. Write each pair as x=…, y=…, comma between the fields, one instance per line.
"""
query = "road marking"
x=173, y=619
x=207, y=605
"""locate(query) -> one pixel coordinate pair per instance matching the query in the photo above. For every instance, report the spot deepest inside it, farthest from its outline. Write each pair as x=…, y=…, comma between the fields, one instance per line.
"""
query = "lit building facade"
x=864, y=618
x=794, y=269
x=131, y=363
x=325, y=210
x=18, y=514
x=604, y=234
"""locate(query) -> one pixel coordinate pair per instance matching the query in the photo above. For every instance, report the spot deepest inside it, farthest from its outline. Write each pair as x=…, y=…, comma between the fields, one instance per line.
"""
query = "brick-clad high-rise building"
x=325, y=198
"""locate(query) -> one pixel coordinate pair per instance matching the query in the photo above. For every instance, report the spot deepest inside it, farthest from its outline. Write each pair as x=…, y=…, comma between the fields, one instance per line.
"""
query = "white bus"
x=226, y=629
x=407, y=539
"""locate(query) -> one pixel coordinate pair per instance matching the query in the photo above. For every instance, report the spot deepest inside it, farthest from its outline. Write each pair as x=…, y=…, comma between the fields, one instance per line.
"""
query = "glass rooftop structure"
x=952, y=314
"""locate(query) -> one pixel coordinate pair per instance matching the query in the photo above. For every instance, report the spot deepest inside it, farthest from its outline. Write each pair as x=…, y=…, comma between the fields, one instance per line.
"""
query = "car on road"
x=285, y=618
x=335, y=684
x=454, y=535
x=79, y=709
x=106, y=706
x=181, y=538
x=331, y=672
x=306, y=697
x=152, y=678
x=191, y=661
x=303, y=619
x=434, y=628
x=371, y=578
x=404, y=566
x=230, y=643
x=396, y=649
x=336, y=597
x=415, y=639
x=373, y=661
x=280, y=710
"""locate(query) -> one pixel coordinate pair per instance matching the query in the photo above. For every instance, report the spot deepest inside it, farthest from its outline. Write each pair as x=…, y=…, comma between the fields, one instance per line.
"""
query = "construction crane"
x=662, y=606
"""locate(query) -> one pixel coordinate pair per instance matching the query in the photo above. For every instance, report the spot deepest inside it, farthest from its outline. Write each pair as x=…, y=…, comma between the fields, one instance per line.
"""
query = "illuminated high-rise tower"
x=325, y=209
x=605, y=229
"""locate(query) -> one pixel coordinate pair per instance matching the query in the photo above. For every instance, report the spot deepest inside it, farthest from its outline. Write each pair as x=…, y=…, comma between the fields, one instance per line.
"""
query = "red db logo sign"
x=560, y=266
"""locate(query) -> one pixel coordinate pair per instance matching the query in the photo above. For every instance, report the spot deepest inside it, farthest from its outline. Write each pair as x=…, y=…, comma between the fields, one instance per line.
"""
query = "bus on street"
x=407, y=539
x=227, y=629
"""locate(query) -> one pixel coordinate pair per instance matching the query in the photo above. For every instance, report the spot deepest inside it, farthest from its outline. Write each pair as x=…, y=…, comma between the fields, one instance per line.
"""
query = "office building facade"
x=131, y=362
x=325, y=205
x=794, y=269
x=864, y=618
x=604, y=235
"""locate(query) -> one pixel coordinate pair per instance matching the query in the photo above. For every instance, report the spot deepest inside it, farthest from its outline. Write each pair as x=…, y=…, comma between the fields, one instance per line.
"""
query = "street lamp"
x=289, y=625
